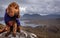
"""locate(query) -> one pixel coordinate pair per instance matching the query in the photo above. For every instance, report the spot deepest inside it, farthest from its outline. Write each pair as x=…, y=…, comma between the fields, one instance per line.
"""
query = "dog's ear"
x=8, y=8
x=18, y=15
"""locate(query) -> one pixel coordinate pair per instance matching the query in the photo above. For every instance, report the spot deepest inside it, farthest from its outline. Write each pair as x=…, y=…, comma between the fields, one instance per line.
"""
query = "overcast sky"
x=42, y=7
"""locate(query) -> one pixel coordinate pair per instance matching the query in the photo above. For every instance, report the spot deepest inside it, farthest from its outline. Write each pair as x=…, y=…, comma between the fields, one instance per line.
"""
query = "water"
x=22, y=23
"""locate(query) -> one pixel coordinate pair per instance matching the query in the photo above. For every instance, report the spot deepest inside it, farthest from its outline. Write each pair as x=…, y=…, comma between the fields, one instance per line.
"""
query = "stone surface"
x=23, y=34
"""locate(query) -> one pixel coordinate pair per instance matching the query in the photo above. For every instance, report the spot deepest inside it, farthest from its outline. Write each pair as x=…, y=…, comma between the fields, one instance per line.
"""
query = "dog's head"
x=13, y=9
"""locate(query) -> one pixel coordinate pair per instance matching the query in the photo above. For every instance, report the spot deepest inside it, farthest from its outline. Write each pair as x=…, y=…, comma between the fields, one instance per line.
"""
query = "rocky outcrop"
x=22, y=34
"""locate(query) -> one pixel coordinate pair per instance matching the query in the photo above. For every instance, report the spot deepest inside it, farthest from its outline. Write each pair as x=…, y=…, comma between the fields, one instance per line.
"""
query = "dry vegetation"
x=42, y=32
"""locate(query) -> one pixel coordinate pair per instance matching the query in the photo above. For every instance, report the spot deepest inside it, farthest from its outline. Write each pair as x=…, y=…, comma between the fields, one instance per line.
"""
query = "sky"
x=42, y=7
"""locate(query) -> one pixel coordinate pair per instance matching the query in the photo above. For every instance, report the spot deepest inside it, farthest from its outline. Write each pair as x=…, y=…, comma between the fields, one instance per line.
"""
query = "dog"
x=12, y=19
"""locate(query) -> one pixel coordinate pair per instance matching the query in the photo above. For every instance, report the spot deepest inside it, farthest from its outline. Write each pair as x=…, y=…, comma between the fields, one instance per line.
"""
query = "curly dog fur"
x=12, y=10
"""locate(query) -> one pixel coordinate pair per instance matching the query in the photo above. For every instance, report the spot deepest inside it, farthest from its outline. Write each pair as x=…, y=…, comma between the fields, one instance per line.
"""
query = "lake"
x=23, y=23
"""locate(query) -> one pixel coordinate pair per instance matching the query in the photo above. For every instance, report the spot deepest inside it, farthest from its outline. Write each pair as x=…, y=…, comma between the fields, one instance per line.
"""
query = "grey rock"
x=22, y=34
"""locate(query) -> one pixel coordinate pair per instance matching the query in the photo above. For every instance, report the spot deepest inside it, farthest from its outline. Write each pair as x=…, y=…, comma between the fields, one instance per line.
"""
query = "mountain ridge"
x=37, y=16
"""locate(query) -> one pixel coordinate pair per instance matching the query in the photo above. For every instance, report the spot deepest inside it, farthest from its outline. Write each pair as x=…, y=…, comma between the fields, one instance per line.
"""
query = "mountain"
x=39, y=17
x=53, y=16
x=33, y=16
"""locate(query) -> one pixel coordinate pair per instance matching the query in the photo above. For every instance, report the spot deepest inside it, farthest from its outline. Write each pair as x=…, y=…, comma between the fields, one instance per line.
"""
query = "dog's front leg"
x=14, y=29
x=18, y=28
x=8, y=30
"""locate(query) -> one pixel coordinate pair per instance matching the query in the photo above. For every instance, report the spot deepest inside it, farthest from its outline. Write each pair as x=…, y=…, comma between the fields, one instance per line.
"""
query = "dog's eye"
x=10, y=5
x=16, y=8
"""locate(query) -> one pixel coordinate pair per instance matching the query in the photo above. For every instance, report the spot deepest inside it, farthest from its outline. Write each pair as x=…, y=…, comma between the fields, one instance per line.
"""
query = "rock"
x=23, y=34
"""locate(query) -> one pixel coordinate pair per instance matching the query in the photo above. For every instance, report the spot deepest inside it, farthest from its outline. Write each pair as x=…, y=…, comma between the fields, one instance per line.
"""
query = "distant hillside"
x=39, y=17
x=28, y=16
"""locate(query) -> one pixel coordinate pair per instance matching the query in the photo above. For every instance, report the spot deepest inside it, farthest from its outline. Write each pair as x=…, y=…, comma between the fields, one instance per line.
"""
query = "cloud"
x=43, y=7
